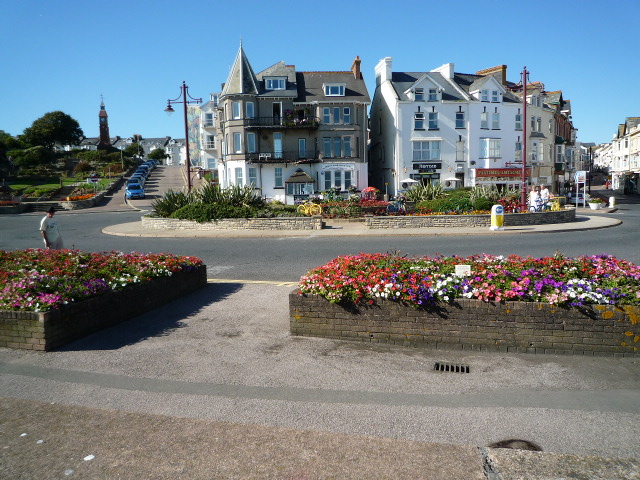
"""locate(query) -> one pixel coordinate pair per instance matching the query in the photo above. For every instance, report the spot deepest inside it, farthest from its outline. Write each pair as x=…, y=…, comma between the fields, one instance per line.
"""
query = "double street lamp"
x=186, y=100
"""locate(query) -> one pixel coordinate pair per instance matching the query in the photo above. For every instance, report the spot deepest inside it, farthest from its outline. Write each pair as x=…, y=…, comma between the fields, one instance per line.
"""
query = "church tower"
x=105, y=139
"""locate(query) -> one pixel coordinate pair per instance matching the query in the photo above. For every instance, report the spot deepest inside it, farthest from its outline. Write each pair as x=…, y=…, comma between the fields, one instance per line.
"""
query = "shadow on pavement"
x=158, y=322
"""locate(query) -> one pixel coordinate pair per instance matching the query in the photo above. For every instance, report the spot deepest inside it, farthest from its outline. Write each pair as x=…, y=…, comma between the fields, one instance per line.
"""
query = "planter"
x=595, y=206
x=276, y=223
x=52, y=329
x=524, y=327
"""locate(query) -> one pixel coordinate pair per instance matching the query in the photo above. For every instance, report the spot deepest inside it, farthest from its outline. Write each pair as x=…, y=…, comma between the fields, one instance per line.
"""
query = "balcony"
x=277, y=122
x=281, y=157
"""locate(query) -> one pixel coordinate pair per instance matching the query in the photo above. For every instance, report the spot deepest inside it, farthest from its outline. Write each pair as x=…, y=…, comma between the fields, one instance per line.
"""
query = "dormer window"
x=433, y=94
x=334, y=89
x=495, y=96
x=484, y=95
x=419, y=94
x=275, y=83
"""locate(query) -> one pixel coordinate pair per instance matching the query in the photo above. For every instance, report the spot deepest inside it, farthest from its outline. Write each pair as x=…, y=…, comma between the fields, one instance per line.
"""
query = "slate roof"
x=310, y=87
x=242, y=79
x=403, y=81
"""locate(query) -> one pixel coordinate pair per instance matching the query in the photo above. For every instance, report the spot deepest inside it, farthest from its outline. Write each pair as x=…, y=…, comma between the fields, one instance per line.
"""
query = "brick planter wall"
x=510, y=219
x=50, y=330
x=278, y=223
x=473, y=325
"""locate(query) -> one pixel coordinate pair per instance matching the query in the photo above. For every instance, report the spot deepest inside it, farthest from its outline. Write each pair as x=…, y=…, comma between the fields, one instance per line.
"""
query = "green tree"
x=134, y=150
x=51, y=128
x=157, y=154
x=31, y=157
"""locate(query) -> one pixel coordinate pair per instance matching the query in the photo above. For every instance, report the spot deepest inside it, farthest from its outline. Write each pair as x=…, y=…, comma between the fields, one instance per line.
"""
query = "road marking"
x=264, y=282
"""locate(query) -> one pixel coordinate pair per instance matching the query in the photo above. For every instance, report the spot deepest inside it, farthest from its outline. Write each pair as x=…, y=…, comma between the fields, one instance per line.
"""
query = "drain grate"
x=451, y=367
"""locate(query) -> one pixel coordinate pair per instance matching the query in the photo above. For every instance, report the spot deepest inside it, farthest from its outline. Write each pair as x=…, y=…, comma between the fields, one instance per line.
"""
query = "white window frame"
x=484, y=95
x=237, y=142
x=252, y=176
x=326, y=115
x=336, y=115
x=418, y=121
x=334, y=89
x=484, y=120
x=495, y=121
x=236, y=109
x=490, y=148
x=210, y=142
x=433, y=120
x=250, y=108
x=460, y=121
x=251, y=142
x=518, y=152
x=239, y=176
x=275, y=83
x=278, y=181
x=346, y=115
x=433, y=95
x=346, y=144
x=495, y=96
x=418, y=94
x=427, y=150
x=302, y=148
x=518, y=121
x=208, y=120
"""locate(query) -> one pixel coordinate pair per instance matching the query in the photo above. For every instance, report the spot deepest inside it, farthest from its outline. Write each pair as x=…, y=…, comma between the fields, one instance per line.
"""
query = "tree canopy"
x=157, y=154
x=51, y=128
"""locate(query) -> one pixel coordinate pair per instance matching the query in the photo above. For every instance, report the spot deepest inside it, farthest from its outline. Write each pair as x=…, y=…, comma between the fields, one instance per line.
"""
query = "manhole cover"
x=451, y=367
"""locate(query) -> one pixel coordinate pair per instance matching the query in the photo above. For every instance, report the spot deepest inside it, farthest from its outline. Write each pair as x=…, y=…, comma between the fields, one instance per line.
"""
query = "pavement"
x=195, y=391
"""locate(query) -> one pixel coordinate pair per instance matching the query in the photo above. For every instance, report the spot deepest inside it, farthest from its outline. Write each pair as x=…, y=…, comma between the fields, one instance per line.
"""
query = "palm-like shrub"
x=246, y=196
x=421, y=192
x=171, y=202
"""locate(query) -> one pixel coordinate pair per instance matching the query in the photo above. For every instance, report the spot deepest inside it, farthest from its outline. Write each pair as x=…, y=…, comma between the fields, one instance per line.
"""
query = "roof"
x=242, y=79
x=311, y=87
x=300, y=176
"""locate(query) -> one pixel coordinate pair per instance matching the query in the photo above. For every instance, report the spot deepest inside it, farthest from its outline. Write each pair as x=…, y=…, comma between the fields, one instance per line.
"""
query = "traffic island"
x=49, y=330
x=469, y=324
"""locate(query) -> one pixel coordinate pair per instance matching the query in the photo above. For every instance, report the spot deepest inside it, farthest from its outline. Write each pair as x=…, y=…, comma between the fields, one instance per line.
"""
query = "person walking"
x=50, y=231
x=535, y=198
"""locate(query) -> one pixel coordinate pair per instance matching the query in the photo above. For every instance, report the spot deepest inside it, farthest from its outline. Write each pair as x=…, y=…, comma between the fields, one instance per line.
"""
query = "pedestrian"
x=607, y=184
x=50, y=231
x=544, y=194
x=534, y=197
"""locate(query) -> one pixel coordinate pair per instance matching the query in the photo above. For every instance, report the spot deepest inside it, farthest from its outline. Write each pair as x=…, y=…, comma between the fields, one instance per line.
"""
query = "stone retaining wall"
x=473, y=325
x=278, y=223
x=510, y=219
x=50, y=330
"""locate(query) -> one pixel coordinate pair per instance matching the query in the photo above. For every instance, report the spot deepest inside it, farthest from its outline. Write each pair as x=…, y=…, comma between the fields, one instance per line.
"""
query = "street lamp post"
x=525, y=79
x=186, y=100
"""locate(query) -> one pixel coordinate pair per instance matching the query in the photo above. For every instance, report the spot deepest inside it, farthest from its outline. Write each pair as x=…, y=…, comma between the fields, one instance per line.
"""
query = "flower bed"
x=574, y=294
x=52, y=297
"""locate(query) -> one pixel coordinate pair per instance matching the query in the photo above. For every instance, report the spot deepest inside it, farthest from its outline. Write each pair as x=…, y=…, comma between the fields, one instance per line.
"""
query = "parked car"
x=142, y=173
x=138, y=179
x=135, y=190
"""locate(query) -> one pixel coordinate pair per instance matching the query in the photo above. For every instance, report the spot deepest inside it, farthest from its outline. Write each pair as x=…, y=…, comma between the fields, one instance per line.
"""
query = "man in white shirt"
x=544, y=193
x=50, y=232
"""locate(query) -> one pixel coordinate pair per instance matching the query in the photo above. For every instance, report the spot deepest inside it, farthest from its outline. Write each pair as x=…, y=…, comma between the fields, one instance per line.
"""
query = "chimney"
x=355, y=68
x=499, y=72
x=383, y=70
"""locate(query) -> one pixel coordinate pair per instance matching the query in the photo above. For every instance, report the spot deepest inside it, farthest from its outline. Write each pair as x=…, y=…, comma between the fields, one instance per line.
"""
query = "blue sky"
x=63, y=55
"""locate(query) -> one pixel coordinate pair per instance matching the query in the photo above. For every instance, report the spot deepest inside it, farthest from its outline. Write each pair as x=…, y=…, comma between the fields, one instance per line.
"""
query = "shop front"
x=510, y=178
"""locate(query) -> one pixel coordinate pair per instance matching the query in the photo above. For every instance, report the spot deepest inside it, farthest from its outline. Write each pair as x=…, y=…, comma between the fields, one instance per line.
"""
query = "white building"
x=445, y=127
x=625, y=153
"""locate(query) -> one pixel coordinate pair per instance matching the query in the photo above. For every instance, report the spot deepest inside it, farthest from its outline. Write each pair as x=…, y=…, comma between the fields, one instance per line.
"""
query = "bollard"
x=497, y=217
x=612, y=202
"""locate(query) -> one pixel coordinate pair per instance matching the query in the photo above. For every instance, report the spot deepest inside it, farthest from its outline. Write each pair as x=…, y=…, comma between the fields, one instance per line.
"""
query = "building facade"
x=292, y=134
x=458, y=129
x=625, y=154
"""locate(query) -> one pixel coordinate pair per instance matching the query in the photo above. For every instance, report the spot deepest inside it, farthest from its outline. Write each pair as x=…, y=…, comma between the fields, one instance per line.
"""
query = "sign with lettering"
x=463, y=270
x=428, y=166
x=498, y=172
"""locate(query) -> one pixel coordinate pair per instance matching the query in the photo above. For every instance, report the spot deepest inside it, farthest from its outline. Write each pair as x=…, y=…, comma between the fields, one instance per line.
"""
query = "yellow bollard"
x=497, y=217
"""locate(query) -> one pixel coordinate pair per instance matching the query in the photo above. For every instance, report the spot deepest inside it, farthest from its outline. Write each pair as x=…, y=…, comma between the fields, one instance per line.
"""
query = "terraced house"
x=290, y=133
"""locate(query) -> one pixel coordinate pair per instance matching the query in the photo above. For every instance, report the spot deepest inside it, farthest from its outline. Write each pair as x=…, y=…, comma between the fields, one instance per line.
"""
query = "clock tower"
x=105, y=139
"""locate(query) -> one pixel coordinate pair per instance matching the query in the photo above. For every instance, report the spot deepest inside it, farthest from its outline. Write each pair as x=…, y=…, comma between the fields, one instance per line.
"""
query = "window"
x=334, y=90
x=337, y=147
x=484, y=95
x=239, y=178
x=275, y=83
x=533, y=124
x=337, y=179
x=251, y=110
x=299, y=188
x=534, y=153
x=336, y=114
x=459, y=119
x=550, y=126
x=208, y=119
x=347, y=146
x=341, y=179
x=328, y=181
x=490, y=148
x=495, y=121
x=326, y=115
x=253, y=176
x=518, y=151
x=495, y=96
x=327, y=146
x=236, y=110
x=419, y=94
x=433, y=94
x=426, y=150
x=433, y=120
x=277, y=145
x=518, y=121
x=418, y=121
x=346, y=115
x=251, y=142
x=539, y=124
x=211, y=141
x=302, y=148
x=484, y=121
x=278, y=182
x=347, y=179
x=237, y=143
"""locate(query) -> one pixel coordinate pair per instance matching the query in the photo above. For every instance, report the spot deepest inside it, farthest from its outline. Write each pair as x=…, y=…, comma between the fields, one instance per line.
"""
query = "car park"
x=134, y=190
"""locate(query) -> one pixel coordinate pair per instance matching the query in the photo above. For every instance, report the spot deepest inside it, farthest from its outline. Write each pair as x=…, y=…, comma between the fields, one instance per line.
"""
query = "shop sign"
x=498, y=172
x=430, y=166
